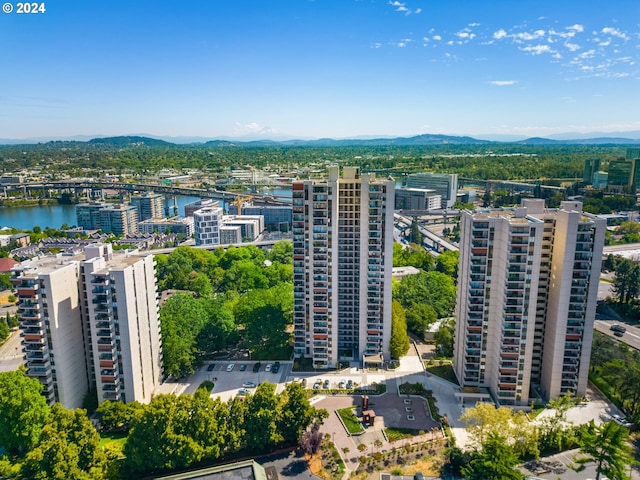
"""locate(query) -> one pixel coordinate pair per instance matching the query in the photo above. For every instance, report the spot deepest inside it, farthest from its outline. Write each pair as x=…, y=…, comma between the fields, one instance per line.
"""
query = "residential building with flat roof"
x=527, y=291
x=96, y=314
x=445, y=185
x=182, y=225
x=342, y=260
x=417, y=199
x=206, y=225
x=149, y=205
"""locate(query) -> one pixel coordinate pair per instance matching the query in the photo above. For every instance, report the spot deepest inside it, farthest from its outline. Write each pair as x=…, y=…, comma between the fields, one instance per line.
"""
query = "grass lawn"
x=395, y=434
x=350, y=420
x=118, y=439
x=444, y=371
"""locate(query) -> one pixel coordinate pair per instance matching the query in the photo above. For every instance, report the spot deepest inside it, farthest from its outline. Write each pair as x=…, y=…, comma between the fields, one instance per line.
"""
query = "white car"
x=230, y=367
x=620, y=420
x=267, y=368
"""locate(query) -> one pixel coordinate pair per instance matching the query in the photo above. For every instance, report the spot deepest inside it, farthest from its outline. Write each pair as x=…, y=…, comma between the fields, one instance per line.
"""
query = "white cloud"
x=377, y=45
x=503, y=83
x=587, y=54
x=537, y=49
x=604, y=43
x=437, y=37
x=614, y=32
x=474, y=24
x=499, y=34
x=577, y=27
x=418, y=10
x=572, y=46
x=526, y=36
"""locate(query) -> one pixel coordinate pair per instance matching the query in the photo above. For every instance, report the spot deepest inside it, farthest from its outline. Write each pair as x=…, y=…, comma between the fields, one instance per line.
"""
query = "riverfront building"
x=527, y=289
x=149, y=205
x=90, y=322
x=445, y=185
x=342, y=260
x=207, y=222
x=182, y=225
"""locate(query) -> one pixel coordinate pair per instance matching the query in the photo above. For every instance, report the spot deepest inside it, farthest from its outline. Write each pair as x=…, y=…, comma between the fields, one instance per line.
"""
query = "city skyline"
x=320, y=69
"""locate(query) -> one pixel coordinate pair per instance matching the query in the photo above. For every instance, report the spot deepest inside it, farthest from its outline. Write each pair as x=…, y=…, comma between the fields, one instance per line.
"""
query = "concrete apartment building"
x=445, y=185
x=251, y=226
x=97, y=315
x=119, y=219
x=206, y=225
x=182, y=225
x=189, y=208
x=342, y=260
x=527, y=291
x=149, y=205
x=417, y=199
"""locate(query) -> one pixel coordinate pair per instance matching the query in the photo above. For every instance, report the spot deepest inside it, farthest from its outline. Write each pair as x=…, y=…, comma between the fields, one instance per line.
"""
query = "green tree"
x=433, y=288
x=415, y=236
x=399, y=342
x=260, y=421
x=265, y=316
x=158, y=438
x=23, y=411
x=182, y=318
x=420, y=317
x=626, y=282
x=281, y=252
x=117, y=416
x=295, y=413
x=447, y=263
x=608, y=446
x=496, y=461
x=485, y=420
x=555, y=431
x=68, y=449
x=444, y=337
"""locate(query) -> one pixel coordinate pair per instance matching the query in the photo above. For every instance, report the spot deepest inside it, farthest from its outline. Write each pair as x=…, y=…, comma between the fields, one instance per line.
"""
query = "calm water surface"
x=53, y=216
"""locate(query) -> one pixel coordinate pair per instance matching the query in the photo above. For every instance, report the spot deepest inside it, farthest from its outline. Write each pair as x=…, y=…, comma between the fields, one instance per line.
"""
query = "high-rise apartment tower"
x=527, y=288
x=90, y=321
x=342, y=259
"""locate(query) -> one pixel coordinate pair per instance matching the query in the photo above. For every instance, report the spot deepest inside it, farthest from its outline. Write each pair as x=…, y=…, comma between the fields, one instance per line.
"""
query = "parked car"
x=343, y=384
x=268, y=367
x=276, y=367
x=256, y=367
x=327, y=384
x=243, y=367
x=350, y=384
x=242, y=392
x=620, y=420
x=317, y=384
x=210, y=367
x=230, y=367
x=249, y=385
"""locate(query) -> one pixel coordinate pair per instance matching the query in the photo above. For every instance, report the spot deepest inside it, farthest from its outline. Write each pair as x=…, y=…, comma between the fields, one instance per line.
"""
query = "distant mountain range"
x=418, y=140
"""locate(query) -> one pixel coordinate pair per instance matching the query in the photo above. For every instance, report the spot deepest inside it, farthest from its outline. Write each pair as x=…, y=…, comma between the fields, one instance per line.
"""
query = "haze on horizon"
x=312, y=69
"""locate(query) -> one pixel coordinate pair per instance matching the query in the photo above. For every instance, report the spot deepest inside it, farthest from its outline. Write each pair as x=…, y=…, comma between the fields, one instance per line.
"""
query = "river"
x=54, y=216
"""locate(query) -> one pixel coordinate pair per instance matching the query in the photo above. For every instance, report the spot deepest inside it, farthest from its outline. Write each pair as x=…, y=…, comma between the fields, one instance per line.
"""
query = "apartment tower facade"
x=527, y=290
x=90, y=321
x=342, y=259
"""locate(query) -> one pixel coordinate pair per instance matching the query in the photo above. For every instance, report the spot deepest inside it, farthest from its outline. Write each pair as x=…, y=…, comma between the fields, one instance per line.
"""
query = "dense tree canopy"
x=399, y=343
x=433, y=288
x=68, y=449
x=175, y=432
x=23, y=411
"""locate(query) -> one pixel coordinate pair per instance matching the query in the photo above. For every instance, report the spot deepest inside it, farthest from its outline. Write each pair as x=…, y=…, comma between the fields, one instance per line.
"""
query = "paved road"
x=11, y=353
x=631, y=337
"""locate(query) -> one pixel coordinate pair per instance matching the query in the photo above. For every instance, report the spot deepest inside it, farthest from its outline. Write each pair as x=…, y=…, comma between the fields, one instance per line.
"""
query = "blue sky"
x=324, y=68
